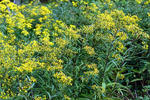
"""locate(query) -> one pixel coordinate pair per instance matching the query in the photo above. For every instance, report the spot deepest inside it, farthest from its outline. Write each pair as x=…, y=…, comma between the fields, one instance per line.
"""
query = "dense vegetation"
x=75, y=50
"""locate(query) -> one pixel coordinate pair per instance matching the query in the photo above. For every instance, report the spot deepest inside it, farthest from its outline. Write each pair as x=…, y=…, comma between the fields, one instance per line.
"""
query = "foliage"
x=75, y=49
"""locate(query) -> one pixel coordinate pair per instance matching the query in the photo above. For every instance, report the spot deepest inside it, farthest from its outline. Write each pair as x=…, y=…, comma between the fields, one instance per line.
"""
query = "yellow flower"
x=64, y=0
x=93, y=7
x=1, y=34
x=117, y=56
x=122, y=35
x=2, y=7
x=27, y=66
x=88, y=29
x=61, y=42
x=46, y=41
x=148, y=14
x=73, y=26
x=108, y=1
x=120, y=76
x=147, y=2
x=38, y=29
x=89, y=50
x=32, y=79
x=145, y=46
x=111, y=37
x=62, y=78
x=105, y=21
x=44, y=10
x=75, y=4
x=38, y=98
x=52, y=68
x=93, y=71
x=67, y=97
x=29, y=25
x=25, y=32
x=119, y=45
x=139, y=1
x=10, y=30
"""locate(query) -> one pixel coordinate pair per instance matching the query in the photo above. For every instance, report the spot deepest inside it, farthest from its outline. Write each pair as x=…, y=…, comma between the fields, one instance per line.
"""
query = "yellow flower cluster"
x=62, y=29
x=24, y=85
x=56, y=66
x=110, y=37
x=62, y=78
x=64, y=0
x=67, y=97
x=44, y=11
x=120, y=47
x=147, y=2
x=33, y=49
x=98, y=88
x=94, y=69
x=8, y=92
x=70, y=52
x=28, y=66
x=115, y=21
x=89, y=50
x=47, y=42
x=148, y=14
x=105, y=21
x=40, y=98
x=88, y=29
x=61, y=42
x=120, y=76
x=38, y=29
x=72, y=32
x=3, y=95
x=139, y=1
x=33, y=40
x=75, y=4
x=117, y=56
x=32, y=79
x=145, y=45
x=92, y=7
x=8, y=56
x=122, y=35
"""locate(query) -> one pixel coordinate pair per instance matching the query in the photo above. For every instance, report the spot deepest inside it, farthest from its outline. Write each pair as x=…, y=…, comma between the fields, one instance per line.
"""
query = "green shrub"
x=74, y=50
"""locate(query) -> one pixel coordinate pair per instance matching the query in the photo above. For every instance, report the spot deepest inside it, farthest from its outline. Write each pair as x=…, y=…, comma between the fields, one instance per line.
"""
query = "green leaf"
x=104, y=85
x=138, y=79
x=83, y=99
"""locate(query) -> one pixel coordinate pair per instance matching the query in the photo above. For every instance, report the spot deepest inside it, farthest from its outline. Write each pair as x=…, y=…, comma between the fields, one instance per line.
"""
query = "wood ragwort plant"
x=99, y=54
